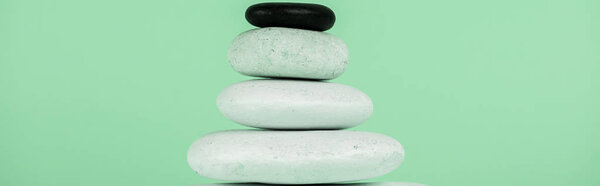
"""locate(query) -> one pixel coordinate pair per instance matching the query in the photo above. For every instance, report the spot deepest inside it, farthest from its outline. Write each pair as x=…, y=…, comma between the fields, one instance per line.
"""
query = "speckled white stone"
x=336, y=184
x=294, y=157
x=294, y=104
x=288, y=52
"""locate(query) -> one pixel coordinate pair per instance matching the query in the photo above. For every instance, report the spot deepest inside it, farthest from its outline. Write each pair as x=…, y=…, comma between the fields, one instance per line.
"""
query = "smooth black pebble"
x=291, y=15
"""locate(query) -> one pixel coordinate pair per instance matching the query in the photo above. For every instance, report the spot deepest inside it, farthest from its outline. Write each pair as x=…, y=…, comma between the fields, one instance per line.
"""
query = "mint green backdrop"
x=489, y=93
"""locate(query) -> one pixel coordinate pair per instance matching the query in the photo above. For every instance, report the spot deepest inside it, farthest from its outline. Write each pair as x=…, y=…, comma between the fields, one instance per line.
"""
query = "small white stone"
x=288, y=52
x=294, y=104
x=294, y=157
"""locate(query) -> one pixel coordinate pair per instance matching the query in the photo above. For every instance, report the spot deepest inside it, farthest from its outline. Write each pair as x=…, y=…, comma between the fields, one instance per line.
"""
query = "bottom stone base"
x=335, y=184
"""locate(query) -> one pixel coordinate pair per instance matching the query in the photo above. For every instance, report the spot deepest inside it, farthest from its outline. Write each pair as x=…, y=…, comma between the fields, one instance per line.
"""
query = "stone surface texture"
x=288, y=53
x=291, y=15
x=294, y=104
x=294, y=157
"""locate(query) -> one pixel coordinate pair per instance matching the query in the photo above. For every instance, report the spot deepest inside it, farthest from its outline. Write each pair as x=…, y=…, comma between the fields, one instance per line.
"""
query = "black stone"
x=291, y=15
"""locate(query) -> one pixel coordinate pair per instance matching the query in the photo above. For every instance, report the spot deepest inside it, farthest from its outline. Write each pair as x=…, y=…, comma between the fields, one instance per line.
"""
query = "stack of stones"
x=301, y=115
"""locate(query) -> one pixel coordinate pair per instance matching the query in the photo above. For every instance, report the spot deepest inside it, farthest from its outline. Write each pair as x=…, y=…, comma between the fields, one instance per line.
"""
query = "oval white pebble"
x=294, y=104
x=294, y=157
x=288, y=52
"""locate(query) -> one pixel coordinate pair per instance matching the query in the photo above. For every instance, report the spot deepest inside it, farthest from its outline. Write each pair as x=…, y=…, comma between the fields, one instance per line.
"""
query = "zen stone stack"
x=301, y=117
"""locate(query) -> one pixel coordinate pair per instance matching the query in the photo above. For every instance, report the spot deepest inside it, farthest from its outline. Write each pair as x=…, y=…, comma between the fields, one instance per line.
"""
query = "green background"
x=113, y=92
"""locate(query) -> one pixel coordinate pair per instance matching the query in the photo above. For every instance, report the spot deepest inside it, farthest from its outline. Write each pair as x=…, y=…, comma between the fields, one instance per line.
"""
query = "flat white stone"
x=294, y=157
x=288, y=52
x=335, y=184
x=294, y=104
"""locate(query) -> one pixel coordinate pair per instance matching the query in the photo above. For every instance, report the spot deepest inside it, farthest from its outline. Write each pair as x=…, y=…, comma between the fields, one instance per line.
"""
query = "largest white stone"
x=294, y=104
x=288, y=52
x=334, y=184
x=294, y=157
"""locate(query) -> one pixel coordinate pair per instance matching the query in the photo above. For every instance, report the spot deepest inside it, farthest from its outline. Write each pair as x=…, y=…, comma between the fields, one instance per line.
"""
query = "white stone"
x=336, y=184
x=294, y=157
x=294, y=104
x=288, y=52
